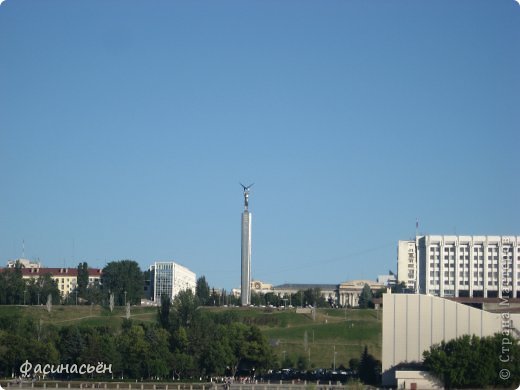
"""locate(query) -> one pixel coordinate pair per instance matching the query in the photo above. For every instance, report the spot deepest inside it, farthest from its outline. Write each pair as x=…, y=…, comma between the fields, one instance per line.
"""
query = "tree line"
x=184, y=343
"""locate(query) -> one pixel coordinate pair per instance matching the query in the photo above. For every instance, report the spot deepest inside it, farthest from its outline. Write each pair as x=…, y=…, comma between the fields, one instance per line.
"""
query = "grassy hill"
x=333, y=330
x=344, y=332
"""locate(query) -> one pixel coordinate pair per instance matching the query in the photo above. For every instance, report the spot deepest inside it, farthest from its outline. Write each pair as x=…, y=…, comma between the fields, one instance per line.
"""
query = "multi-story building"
x=169, y=278
x=461, y=266
x=65, y=278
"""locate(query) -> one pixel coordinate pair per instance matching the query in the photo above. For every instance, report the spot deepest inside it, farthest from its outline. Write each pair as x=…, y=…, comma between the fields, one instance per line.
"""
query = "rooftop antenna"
x=23, y=249
x=416, y=227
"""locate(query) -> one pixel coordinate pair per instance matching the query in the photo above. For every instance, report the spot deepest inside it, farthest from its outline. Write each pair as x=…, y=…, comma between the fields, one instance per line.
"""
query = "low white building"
x=416, y=380
x=169, y=278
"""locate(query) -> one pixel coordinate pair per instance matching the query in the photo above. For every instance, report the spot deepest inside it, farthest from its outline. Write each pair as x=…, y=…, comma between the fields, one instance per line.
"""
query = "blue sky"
x=126, y=126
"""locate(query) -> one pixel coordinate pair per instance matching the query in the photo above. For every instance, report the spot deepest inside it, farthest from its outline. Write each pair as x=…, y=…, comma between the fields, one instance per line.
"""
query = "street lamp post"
x=125, y=297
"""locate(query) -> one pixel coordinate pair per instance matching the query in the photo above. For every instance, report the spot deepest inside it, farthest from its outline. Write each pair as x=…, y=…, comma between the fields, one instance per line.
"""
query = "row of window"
x=436, y=282
x=462, y=257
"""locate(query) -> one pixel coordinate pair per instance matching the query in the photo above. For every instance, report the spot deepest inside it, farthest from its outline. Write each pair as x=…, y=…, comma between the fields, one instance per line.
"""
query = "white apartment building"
x=169, y=278
x=461, y=266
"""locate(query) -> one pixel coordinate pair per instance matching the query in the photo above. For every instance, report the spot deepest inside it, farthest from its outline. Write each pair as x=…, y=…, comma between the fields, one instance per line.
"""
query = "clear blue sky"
x=126, y=126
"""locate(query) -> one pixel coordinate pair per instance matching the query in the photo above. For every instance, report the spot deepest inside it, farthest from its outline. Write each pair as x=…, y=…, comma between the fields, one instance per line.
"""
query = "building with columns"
x=348, y=292
x=461, y=266
x=343, y=294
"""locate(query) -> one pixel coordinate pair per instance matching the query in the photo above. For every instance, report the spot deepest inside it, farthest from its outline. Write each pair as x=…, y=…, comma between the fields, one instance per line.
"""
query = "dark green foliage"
x=353, y=364
x=185, y=305
x=202, y=291
x=125, y=280
x=473, y=362
x=188, y=343
x=369, y=369
x=164, y=312
x=12, y=286
x=399, y=288
x=82, y=283
x=365, y=298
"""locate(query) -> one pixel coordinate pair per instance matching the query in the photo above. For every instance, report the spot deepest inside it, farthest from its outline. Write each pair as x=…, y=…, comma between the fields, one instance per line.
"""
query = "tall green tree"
x=158, y=358
x=369, y=368
x=82, y=279
x=13, y=285
x=202, y=291
x=125, y=280
x=314, y=297
x=365, y=298
x=164, y=312
x=185, y=305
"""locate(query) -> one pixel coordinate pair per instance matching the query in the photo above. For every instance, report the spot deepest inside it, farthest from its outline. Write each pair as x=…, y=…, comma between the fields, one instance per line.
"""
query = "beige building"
x=65, y=278
x=344, y=294
x=348, y=292
x=412, y=323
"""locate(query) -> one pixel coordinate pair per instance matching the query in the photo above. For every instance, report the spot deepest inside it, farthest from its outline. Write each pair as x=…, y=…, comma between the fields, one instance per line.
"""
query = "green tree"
x=164, y=312
x=94, y=293
x=353, y=364
x=301, y=363
x=125, y=280
x=71, y=345
x=37, y=290
x=365, y=298
x=133, y=348
x=202, y=291
x=185, y=304
x=369, y=369
x=157, y=358
x=314, y=297
x=14, y=286
x=183, y=362
x=82, y=278
x=473, y=362
x=399, y=288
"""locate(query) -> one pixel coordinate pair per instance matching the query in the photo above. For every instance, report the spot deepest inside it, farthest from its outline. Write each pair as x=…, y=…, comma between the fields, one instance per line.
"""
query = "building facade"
x=169, y=278
x=348, y=293
x=461, y=266
x=65, y=278
x=343, y=294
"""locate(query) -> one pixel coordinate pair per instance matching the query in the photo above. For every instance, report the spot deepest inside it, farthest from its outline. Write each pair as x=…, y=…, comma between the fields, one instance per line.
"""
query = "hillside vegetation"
x=332, y=332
